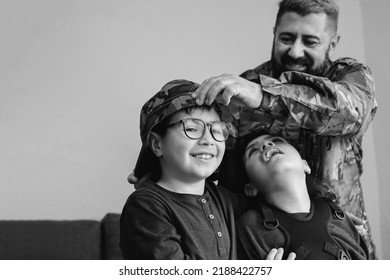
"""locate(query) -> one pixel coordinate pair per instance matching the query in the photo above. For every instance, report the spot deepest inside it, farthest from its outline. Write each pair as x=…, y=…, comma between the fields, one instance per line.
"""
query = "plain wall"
x=377, y=38
x=75, y=73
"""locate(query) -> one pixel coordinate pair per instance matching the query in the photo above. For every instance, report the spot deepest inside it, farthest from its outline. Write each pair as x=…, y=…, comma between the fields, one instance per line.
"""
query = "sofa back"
x=60, y=240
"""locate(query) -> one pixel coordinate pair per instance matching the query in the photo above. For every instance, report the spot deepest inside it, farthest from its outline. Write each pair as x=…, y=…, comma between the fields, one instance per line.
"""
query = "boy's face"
x=267, y=157
x=190, y=159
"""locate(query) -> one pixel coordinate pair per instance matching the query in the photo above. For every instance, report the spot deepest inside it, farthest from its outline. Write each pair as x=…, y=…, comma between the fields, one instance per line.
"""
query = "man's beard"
x=279, y=68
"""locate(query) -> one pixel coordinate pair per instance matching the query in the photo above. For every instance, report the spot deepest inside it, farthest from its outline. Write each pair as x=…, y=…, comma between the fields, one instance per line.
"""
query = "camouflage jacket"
x=325, y=117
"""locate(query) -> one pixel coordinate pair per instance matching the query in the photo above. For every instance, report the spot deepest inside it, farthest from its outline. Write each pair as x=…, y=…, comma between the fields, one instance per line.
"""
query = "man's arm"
x=341, y=105
x=344, y=107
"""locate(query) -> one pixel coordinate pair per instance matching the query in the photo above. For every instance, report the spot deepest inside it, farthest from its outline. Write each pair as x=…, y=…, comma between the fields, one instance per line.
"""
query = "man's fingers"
x=210, y=89
x=229, y=92
x=221, y=86
x=202, y=92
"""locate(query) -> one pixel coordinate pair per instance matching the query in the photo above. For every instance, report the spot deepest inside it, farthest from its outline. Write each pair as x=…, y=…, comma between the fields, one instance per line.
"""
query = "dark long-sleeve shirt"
x=160, y=224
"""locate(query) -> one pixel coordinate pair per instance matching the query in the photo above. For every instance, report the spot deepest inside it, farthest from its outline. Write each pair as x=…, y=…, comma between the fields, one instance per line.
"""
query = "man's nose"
x=296, y=50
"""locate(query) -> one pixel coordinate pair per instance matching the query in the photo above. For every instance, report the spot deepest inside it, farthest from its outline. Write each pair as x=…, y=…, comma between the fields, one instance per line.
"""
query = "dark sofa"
x=60, y=240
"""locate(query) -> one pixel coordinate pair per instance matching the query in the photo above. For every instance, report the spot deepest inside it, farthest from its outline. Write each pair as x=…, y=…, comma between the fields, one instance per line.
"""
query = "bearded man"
x=322, y=106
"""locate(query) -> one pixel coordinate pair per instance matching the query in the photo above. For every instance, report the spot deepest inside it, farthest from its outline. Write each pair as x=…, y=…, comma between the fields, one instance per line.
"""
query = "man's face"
x=302, y=44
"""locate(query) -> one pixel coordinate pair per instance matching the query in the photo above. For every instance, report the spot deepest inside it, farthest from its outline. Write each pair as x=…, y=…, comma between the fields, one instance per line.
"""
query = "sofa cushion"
x=50, y=240
x=110, y=231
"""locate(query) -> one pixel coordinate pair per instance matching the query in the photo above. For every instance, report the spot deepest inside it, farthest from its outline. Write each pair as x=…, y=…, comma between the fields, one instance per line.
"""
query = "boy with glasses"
x=175, y=211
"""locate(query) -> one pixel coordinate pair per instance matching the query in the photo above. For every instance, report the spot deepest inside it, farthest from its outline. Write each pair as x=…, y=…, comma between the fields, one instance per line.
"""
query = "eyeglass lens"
x=195, y=129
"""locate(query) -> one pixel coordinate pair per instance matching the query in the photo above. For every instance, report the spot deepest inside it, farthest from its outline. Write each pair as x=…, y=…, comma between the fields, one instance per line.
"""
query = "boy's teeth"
x=203, y=156
x=270, y=153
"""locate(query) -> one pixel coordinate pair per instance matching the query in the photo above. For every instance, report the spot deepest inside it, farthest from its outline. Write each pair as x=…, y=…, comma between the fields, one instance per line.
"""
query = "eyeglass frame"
x=205, y=124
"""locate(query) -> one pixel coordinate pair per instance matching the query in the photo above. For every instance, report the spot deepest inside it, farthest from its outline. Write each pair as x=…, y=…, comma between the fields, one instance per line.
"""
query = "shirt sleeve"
x=147, y=232
x=344, y=106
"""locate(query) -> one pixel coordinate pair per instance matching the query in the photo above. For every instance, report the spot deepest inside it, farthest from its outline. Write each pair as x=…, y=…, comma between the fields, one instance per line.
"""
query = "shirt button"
x=203, y=200
x=219, y=234
x=211, y=217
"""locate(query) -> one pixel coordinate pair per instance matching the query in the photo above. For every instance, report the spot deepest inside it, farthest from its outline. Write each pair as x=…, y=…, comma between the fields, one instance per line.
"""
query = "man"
x=322, y=106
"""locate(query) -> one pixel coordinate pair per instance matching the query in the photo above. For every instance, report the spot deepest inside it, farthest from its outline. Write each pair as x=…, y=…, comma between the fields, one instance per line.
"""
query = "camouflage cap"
x=174, y=96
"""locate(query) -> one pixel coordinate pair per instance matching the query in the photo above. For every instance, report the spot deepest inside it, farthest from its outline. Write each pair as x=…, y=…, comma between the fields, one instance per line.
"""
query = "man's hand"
x=277, y=254
x=227, y=89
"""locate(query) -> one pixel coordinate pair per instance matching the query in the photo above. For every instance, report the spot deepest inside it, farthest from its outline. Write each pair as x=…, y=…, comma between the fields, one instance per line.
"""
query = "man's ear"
x=155, y=144
x=306, y=167
x=250, y=190
x=333, y=44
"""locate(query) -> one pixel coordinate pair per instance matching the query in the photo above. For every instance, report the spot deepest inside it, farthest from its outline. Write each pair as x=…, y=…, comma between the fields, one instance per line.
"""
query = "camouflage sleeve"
x=342, y=107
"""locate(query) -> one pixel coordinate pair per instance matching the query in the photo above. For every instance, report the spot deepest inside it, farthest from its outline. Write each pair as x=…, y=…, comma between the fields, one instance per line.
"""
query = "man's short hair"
x=306, y=7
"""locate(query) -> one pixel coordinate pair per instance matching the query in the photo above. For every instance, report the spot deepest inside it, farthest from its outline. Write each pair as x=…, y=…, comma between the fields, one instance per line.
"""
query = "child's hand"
x=277, y=254
x=359, y=223
x=132, y=179
x=136, y=181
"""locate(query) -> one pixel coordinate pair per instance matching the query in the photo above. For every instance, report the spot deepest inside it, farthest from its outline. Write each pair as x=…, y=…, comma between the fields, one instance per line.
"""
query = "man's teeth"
x=296, y=66
x=204, y=156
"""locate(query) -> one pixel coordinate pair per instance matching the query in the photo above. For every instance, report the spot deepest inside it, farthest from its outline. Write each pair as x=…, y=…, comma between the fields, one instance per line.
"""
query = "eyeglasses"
x=196, y=128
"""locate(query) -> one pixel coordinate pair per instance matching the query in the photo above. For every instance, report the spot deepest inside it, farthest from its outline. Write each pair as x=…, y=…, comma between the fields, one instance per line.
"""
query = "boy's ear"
x=250, y=190
x=155, y=143
x=306, y=167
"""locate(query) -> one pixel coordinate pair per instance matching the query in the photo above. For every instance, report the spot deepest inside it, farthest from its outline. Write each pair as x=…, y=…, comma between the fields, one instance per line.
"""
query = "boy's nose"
x=265, y=145
x=207, y=138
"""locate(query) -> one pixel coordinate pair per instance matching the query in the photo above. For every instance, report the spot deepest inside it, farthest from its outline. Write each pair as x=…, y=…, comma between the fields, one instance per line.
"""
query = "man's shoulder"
x=345, y=63
x=347, y=66
x=263, y=69
x=339, y=65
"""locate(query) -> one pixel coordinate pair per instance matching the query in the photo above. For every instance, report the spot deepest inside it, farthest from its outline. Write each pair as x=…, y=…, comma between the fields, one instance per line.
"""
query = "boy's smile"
x=190, y=159
x=268, y=156
x=204, y=156
x=269, y=152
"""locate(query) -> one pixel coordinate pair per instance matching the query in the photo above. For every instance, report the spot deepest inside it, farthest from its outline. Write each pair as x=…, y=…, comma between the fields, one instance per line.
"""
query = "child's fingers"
x=291, y=256
x=275, y=254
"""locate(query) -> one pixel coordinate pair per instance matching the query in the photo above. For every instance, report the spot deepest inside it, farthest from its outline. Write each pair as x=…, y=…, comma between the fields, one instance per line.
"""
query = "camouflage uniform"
x=325, y=118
